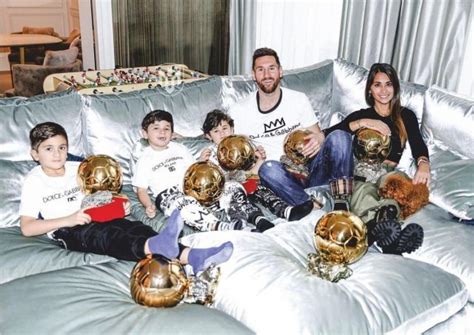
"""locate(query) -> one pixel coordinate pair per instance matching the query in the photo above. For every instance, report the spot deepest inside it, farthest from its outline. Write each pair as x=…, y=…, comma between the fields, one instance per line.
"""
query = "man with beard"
x=270, y=114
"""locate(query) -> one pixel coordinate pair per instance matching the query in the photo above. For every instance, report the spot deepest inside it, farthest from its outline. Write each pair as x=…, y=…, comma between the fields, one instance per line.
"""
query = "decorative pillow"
x=61, y=57
x=448, y=121
x=38, y=30
x=452, y=187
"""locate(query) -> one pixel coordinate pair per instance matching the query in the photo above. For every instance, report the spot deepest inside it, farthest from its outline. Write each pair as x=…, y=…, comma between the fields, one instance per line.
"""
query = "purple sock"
x=201, y=259
x=166, y=242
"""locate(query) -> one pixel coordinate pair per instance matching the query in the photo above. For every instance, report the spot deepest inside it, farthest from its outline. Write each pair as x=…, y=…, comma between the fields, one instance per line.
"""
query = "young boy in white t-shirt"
x=216, y=127
x=51, y=204
x=161, y=169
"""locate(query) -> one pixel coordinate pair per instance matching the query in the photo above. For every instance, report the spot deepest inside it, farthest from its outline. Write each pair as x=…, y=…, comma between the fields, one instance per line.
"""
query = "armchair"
x=28, y=78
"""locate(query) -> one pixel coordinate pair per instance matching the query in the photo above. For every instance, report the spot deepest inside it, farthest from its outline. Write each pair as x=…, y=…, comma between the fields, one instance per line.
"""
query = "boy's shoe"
x=385, y=232
x=263, y=224
x=411, y=238
x=234, y=224
x=299, y=211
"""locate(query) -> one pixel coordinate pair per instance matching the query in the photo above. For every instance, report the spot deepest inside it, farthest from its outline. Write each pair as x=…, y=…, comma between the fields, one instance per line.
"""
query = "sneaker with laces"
x=235, y=224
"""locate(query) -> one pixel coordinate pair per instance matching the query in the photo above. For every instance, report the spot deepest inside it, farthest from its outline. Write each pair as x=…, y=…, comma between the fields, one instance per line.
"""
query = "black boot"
x=411, y=238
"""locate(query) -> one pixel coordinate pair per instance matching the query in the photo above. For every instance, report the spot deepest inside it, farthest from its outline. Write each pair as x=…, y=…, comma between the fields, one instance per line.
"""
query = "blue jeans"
x=333, y=161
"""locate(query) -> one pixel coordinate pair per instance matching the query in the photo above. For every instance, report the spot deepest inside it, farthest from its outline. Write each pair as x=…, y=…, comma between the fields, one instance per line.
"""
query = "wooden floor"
x=5, y=81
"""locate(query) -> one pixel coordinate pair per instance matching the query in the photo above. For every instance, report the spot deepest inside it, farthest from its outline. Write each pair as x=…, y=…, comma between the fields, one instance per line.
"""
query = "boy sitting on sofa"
x=51, y=203
x=216, y=127
x=161, y=168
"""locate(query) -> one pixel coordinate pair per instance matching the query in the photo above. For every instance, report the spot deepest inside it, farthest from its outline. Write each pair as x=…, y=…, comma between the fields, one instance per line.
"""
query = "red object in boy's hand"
x=108, y=212
x=250, y=185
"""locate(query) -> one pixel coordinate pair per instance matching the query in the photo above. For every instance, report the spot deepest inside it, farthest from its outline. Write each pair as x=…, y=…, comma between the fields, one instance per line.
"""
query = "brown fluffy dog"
x=410, y=197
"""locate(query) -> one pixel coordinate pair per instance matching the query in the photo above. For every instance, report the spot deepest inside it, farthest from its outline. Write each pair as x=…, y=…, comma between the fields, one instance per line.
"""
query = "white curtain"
x=425, y=40
x=303, y=32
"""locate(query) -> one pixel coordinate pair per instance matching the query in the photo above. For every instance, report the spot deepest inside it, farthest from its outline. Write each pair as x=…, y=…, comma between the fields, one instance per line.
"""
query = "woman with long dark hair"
x=386, y=115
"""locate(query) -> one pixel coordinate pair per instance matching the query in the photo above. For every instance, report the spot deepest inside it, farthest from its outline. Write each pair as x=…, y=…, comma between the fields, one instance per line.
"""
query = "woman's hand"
x=378, y=125
x=314, y=141
x=422, y=175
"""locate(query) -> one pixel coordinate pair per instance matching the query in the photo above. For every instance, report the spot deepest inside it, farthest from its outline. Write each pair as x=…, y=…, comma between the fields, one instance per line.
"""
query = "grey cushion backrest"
x=448, y=121
x=315, y=81
x=19, y=115
x=112, y=123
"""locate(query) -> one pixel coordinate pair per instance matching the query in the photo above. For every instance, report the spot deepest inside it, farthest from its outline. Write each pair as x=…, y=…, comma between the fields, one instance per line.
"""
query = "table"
x=113, y=81
x=24, y=40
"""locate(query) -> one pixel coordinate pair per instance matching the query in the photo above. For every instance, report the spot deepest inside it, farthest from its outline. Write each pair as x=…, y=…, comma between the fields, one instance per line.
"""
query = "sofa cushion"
x=60, y=57
x=12, y=175
x=19, y=115
x=448, y=121
x=452, y=187
x=24, y=256
x=96, y=300
x=266, y=285
x=447, y=244
x=113, y=122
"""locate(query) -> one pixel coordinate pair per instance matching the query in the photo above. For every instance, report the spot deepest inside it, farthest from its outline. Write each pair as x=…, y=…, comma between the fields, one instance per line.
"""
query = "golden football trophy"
x=204, y=181
x=341, y=239
x=294, y=143
x=99, y=173
x=236, y=152
x=371, y=146
x=158, y=282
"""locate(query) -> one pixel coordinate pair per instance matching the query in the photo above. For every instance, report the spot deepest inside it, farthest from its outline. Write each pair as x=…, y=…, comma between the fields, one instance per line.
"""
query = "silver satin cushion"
x=266, y=286
x=24, y=256
x=452, y=187
x=12, y=175
x=96, y=299
x=113, y=122
x=447, y=244
x=448, y=121
x=19, y=115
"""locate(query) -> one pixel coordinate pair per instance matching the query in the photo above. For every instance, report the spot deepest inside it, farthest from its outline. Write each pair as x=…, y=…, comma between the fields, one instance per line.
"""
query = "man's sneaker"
x=386, y=232
x=235, y=224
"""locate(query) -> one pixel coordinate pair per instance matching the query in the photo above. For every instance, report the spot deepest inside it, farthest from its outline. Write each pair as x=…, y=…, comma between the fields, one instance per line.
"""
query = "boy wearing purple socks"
x=51, y=201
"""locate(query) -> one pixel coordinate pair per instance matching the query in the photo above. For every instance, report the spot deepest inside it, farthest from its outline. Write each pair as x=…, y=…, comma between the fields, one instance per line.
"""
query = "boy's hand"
x=78, y=218
x=260, y=153
x=150, y=211
x=205, y=154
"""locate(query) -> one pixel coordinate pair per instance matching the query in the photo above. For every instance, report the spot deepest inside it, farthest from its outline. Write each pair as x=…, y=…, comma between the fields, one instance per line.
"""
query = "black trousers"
x=120, y=238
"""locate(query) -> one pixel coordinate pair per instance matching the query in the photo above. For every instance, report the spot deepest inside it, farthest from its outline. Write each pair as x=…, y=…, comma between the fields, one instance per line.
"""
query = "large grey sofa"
x=265, y=287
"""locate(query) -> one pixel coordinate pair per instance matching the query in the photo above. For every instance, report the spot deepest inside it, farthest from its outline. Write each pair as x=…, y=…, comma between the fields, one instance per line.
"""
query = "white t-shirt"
x=269, y=129
x=160, y=170
x=48, y=197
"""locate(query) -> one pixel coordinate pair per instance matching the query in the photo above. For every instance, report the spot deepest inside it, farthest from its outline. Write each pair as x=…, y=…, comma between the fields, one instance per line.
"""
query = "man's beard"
x=270, y=89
